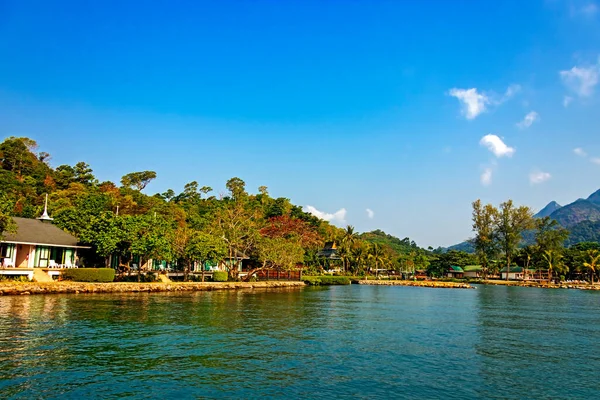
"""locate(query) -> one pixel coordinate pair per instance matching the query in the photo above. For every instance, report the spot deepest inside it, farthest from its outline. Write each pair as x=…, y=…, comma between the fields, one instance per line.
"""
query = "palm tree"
x=376, y=254
x=594, y=260
x=554, y=262
x=359, y=255
x=347, y=242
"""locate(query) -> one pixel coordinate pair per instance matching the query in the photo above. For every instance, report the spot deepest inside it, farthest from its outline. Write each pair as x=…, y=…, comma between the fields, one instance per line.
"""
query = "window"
x=57, y=254
x=43, y=256
x=6, y=250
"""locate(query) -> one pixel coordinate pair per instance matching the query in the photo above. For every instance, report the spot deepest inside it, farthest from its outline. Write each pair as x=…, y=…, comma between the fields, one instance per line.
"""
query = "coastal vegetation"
x=198, y=227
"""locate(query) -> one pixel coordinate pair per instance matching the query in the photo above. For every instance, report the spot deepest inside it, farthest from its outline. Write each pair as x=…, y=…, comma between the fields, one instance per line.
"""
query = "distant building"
x=328, y=253
x=455, y=271
x=473, y=271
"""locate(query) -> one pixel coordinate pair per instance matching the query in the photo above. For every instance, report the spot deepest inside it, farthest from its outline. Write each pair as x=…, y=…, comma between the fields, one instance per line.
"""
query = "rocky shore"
x=544, y=285
x=27, y=288
x=432, y=284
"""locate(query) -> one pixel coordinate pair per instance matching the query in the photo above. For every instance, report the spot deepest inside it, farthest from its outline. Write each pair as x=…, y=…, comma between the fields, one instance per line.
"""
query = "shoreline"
x=33, y=288
x=544, y=285
x=430, y=284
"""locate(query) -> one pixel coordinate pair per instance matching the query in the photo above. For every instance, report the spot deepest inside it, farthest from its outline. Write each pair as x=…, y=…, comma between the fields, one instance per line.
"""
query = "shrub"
x=326, y=280
x=220, y=276
x=89, y=274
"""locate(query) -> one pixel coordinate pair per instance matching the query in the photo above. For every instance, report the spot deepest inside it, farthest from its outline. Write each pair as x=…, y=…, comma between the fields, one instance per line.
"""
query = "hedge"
x=220, y=276
x=326, y=280
x=89, y=274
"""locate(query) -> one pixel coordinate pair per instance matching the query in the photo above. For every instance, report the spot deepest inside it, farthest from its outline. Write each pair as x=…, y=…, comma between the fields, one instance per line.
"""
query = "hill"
x=581, y=218
x=574, y=213
x=595, y=198
x=548, y=210
x=400, y=246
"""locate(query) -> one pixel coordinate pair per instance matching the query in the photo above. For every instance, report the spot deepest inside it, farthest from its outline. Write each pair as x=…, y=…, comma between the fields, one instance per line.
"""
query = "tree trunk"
x=507, y=268
x=202, y=269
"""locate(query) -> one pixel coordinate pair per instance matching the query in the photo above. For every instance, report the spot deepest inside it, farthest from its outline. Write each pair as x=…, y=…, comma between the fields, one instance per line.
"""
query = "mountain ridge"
x=581, y=218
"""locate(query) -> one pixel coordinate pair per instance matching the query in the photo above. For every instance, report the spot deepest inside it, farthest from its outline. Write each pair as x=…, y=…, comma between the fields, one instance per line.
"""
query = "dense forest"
x=184, y=227
x=195, y=226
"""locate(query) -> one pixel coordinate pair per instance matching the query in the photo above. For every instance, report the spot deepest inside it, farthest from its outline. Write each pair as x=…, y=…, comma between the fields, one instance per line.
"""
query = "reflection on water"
x=354, y=341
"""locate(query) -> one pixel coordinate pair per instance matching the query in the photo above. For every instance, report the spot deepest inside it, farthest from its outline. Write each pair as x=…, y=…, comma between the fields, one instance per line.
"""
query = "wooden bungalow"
x=473, y=271
x=37, y=243
x=454, y=271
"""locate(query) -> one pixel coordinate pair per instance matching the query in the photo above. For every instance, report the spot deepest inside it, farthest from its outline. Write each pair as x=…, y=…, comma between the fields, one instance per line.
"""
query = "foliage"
x=138, y=180
x=89, y=274
x=485, y=243
x=510, y=222
x=326, y=280
x=220, y=276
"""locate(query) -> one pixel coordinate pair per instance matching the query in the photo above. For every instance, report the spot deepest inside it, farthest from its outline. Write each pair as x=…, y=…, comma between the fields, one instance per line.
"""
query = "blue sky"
x=411, y=110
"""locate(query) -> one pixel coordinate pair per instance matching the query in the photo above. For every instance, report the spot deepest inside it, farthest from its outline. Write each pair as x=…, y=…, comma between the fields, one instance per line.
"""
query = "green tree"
x=6, y=222
x=377, y=256
x=138, y=180
x=485, y=243
x=553, y=260
x=592, y=263
x=277, y=253
x=509, y=223
x=238, y=226
x=202, y=247
x=236, y=187
x=83, y=174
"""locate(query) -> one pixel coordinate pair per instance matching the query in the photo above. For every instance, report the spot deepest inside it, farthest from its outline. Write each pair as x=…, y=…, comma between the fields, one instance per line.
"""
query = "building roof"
x=472, y=268
x=329, y=251
x=455, y=268
x=33, y=231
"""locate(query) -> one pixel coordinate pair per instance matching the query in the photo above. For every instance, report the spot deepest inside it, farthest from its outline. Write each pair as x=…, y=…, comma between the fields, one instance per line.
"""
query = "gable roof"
x=455, y=268
x=472, y=268
x=329, y=251
x=33, y=231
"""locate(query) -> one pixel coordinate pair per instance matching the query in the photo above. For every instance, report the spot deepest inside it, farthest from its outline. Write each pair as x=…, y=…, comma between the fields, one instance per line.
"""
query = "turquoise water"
x=345, y=341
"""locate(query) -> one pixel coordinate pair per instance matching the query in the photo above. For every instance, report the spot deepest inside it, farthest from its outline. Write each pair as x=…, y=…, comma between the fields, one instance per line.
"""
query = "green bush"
x=89, y=274
x=220, y=276
x=326, y=280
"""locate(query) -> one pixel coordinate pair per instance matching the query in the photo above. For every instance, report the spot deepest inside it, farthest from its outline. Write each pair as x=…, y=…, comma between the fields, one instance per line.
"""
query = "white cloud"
x=580, y=152
x=581, y=80
x=338, y=216
x=595, y=160
x=528, y=120
x=473, y=103
x=370, y=213
x=511, y=91
x=537, y=177
x=567, y=100
x=494, y=144
x=486, y=177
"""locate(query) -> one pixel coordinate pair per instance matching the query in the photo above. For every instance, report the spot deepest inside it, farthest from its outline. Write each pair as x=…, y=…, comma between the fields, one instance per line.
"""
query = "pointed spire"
x=45, y=216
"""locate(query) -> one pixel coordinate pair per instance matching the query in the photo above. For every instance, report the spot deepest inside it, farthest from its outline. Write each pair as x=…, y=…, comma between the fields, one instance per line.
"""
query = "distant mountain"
x=586, y=231
x=574, y=213
x=595, y=198
x=464, y=246
x=548, y=210
x=581, y=218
